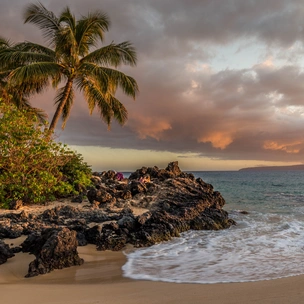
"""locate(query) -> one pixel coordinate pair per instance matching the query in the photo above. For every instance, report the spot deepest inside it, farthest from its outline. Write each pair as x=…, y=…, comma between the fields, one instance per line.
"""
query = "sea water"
x=267, y=243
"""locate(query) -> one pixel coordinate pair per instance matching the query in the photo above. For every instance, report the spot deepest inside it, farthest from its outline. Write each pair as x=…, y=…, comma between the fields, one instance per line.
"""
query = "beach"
x=276, y=221
x=100, y=280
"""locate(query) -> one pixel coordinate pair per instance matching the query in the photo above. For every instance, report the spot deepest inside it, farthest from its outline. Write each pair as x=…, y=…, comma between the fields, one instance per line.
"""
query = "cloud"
x=186, y=105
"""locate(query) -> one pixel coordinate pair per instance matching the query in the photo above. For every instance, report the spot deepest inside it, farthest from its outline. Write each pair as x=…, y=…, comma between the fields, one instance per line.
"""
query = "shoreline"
x=100, y=280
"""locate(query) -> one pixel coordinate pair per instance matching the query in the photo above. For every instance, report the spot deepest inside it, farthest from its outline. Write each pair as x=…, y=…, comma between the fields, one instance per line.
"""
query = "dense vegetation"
x=33, y=167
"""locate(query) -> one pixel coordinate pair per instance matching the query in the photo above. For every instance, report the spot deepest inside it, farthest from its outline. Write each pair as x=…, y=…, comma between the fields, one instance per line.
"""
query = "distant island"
x=275, y=168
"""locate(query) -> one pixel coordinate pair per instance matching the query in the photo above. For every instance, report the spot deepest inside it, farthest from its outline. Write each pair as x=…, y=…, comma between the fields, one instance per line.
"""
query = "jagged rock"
x=136, y=187
x=16, y=249
x=174, y=168
x=141, y=219
x=55, y=249
x=15, y=204
x=33, y=243
x=126, y=195
x=108, y=174
x=23, y=216
x=127, y=221
x=95, y=179
x=77, y=199
x=177, y=202
x=58, y=214
x=67, y=211
x=112, y=238
x=173, y=202
x=11, y=231
x=5, y=252
x=51, y=215
x=92, y=235
x=99, y=195
x=82, y=241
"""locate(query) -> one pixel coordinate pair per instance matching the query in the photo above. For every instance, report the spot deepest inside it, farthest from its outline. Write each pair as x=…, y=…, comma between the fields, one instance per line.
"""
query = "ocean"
x=267, y=243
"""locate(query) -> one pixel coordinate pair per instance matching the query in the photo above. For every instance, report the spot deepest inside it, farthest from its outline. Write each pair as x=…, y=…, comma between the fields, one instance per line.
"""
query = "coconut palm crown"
x=68, y=63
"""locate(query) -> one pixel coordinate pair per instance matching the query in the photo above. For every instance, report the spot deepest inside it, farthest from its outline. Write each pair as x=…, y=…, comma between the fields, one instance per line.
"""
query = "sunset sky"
x=221, y=83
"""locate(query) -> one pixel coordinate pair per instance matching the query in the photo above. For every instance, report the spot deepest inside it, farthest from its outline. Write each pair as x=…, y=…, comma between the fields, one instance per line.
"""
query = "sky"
x=221, y=83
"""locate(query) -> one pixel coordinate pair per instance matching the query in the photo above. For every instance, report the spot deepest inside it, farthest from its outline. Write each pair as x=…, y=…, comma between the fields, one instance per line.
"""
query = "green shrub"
x=77, y=172
x=33, y=167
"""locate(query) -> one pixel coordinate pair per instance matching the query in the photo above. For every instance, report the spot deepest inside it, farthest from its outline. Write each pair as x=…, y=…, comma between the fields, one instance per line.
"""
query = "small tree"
x=31, y=162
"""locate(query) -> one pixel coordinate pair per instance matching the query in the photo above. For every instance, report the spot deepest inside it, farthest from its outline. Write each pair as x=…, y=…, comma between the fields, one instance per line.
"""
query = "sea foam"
x=260, y=247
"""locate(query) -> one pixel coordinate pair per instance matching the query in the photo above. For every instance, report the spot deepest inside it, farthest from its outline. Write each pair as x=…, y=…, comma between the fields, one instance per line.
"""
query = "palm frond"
x=34, y=72
x=93, y=71
x=66, y=44
x=27, y=68
x=108, y=106
x=120, y=113
x=34, y=77
x=110, y=79
x=27, y=46
x=4, y=43
x=16, y=97
x=95, y=97
x=90, y=30
x=68, y=104
x=56, y=79
x=68, y=18
x=25, y=104
x=12, y=57
x=46, y=20
x=118, y=79
x=113, y=55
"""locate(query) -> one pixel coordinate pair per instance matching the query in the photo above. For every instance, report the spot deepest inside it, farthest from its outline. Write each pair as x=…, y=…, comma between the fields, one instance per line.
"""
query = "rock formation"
x=5, y=252
x=151, y=206
x=53, y=248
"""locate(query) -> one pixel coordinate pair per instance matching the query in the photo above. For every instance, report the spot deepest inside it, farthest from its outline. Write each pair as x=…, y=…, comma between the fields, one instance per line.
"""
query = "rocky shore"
x=150, y=206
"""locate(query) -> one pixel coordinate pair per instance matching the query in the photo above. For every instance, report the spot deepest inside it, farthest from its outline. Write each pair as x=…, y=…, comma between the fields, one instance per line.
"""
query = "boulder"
x=15, y=204
x=5, y=252
x=54, y=249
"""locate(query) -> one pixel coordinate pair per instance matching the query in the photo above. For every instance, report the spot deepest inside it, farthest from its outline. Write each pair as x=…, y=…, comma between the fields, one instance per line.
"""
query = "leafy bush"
x=77, y=172
x=33, y=167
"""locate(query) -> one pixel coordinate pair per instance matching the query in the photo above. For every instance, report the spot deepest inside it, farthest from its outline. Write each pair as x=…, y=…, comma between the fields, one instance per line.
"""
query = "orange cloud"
x=151, y=127
x=218, y=139
x=287, y=147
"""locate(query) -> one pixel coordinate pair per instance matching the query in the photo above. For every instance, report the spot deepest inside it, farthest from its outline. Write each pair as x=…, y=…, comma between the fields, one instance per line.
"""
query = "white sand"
x=99, y=281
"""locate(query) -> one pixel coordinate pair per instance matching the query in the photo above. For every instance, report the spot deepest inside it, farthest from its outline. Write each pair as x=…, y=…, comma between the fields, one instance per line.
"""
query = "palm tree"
x=67, y=61
x=11, y=94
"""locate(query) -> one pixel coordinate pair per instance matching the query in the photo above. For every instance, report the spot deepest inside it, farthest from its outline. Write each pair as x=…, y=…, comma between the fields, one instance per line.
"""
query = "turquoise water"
x=267, y=243
x=263, y=191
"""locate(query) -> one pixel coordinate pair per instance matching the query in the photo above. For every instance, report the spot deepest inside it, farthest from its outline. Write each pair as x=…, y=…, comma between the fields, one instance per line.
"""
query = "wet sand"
x=100, y=280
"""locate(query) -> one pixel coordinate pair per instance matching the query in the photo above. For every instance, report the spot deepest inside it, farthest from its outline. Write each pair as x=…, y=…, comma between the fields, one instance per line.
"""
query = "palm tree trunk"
x=61, y=105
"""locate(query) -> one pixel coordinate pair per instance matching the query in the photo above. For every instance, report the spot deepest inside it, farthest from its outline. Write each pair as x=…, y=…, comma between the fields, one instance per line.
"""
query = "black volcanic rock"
x=5, y=252
x=165, y=203
x=177, y=202
x=54, y=249
x=15, y=204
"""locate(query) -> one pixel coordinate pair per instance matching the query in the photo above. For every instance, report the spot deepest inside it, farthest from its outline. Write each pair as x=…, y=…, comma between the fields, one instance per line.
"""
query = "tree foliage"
x=14, y=94
x=33, y=167
x=71, y=60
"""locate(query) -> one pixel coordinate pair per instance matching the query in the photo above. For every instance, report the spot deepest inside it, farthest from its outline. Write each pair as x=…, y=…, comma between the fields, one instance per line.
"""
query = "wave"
x=260, y=247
